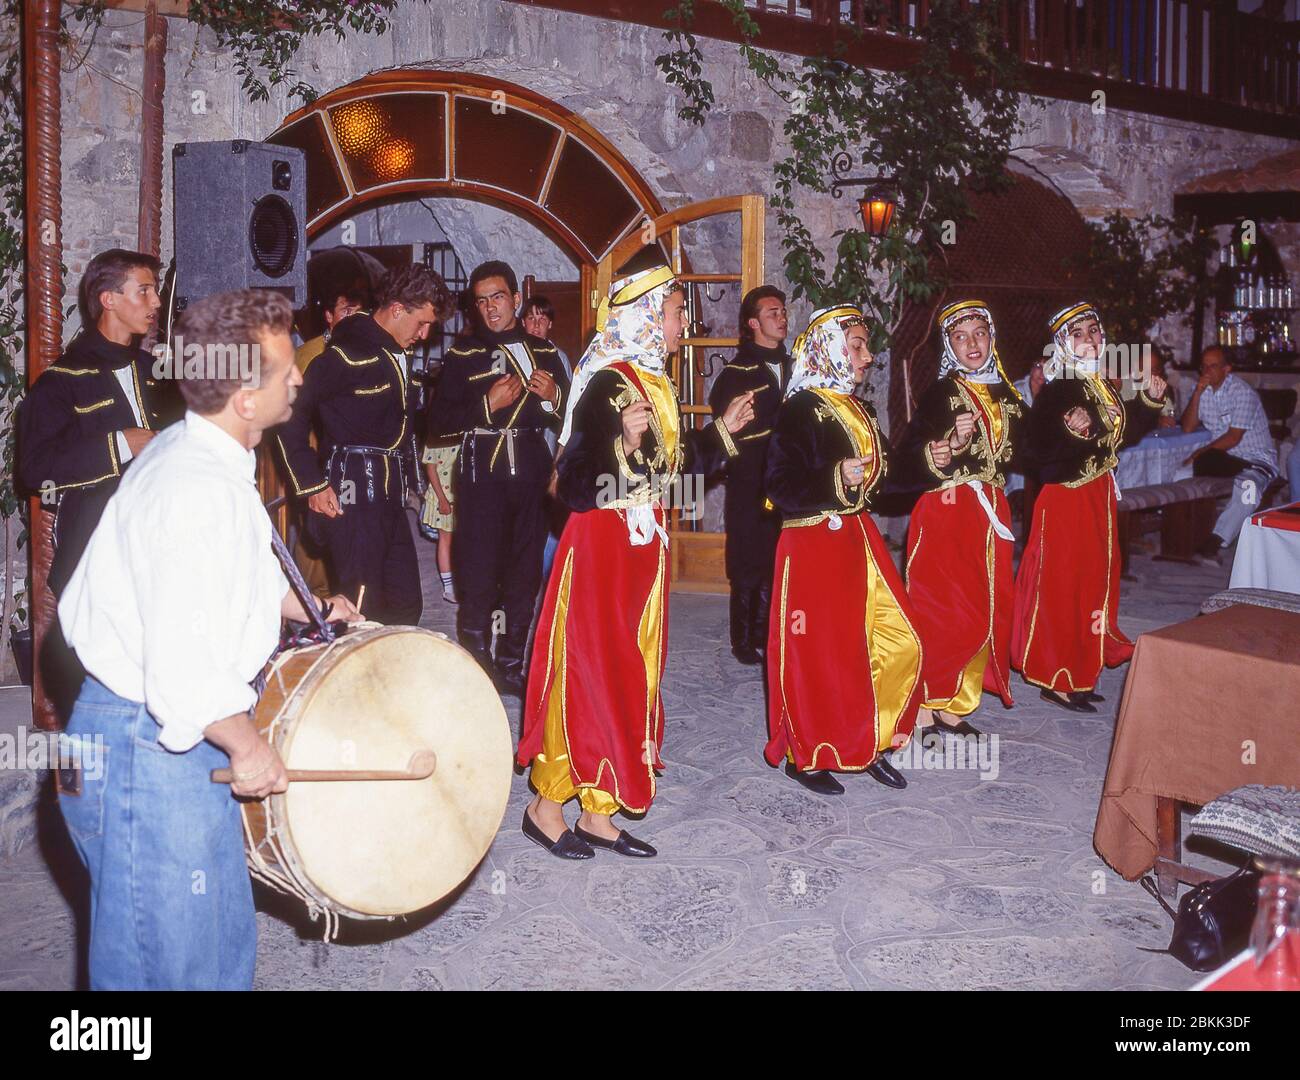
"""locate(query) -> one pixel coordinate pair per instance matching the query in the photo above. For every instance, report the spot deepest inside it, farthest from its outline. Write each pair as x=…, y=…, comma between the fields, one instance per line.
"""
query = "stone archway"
x=396, y=135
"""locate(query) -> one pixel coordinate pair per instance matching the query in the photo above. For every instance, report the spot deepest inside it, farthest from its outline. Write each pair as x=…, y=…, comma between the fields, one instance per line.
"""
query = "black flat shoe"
x=1076, y=702
x=818, y=781
x=1091, y=695
x=962, y=727
x=884, y=773
x=747, y=654
x=626, y=844
x=568, y=846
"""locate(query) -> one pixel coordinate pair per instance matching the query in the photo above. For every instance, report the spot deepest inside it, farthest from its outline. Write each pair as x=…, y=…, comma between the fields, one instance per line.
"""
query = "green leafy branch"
x=938, y=127
x=263, y=37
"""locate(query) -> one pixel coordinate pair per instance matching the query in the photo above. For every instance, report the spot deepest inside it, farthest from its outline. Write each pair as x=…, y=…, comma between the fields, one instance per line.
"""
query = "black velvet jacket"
x=746, y=371
x=981, y=460
x=66, y=428
x=460, y=404
x=595, y=473
x=803, y=460
x=358, y=393
x=1056, y=453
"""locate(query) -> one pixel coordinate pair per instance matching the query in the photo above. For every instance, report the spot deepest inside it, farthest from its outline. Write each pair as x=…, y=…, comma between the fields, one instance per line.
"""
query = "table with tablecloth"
x=1268, y=551
x=1158, y=458
x=1209, y=705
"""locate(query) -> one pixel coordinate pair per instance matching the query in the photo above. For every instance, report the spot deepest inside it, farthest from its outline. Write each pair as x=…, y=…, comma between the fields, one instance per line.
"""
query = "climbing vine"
x=262, y=37
x=937, y=127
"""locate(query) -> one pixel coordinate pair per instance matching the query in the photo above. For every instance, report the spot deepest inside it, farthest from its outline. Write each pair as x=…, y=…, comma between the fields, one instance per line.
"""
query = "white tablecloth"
x=1158, y=458
x=1267, y=558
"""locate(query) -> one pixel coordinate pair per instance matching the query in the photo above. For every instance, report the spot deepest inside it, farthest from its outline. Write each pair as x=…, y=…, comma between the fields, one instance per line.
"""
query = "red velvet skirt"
x=843, y=659
x=1067, y=589
x=598, y=656
x=962, y=603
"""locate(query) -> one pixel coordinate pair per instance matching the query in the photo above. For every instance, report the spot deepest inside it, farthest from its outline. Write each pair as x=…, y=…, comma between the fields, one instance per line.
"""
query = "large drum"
x=370, y=701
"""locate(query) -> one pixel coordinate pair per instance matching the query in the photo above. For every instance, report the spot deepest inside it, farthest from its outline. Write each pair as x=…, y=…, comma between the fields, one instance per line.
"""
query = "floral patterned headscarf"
x=1063, y=356
x=991, y=370
x=629, y=328
x=821, y=353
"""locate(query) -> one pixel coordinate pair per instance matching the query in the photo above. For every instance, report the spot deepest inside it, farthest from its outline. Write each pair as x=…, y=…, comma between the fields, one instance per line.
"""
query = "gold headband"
x=633, y=290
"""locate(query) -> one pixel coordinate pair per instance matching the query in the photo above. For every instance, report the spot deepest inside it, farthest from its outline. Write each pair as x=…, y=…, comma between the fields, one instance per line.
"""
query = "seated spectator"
x=1240, y=447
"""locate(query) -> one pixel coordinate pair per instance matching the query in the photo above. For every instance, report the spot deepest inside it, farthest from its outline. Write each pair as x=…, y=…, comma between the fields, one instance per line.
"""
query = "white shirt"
x=176, y=601
x=127, y=381
x=1234, y=404
x=524, y=359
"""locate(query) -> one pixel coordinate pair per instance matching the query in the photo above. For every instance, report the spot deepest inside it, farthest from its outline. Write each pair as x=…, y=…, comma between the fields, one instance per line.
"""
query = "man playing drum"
x=173, y=610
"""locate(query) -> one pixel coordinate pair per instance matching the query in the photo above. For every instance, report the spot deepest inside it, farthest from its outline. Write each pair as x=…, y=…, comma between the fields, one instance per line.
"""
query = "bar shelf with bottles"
x=1255, y=309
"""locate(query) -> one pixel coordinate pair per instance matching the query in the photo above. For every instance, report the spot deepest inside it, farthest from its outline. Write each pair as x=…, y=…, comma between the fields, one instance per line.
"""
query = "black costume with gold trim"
x=593, y=716
x=500, y=480
x=752, y=527
x=357, y=392
x=959, y=574
x=67, y=444
x=843, y=656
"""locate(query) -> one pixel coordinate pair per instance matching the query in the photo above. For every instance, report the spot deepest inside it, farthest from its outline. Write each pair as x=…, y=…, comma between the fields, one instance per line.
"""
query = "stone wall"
x=605, y=72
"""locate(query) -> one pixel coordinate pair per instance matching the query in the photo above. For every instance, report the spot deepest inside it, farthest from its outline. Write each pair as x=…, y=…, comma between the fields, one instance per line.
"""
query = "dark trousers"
x=497, y=560
x=1218, y=463
x=370, y=545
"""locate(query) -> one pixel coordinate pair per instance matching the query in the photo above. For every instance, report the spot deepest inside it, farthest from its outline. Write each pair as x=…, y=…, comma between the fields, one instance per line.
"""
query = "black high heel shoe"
x=568, y=846
x=1076, y=701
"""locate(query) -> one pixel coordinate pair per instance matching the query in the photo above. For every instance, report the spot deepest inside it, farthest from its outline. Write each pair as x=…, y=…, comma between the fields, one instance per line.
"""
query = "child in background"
x=438, y=519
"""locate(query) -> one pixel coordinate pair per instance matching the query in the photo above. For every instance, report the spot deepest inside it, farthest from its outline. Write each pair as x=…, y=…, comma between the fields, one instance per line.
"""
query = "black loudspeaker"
x=239, y=219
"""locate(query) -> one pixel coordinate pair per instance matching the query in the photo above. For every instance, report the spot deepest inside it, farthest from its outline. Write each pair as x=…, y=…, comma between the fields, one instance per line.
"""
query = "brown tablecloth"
x=1203, y=698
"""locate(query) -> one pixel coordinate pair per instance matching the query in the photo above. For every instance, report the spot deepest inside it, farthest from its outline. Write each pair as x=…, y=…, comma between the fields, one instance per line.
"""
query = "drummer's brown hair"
x=414, y=286
x=216, y=324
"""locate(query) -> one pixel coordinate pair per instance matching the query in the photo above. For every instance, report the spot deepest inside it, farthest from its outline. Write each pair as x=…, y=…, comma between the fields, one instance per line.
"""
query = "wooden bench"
x=1187, y=513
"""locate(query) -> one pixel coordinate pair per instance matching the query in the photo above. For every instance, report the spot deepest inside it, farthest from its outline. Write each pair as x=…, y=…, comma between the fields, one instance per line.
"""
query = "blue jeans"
x=171, y=903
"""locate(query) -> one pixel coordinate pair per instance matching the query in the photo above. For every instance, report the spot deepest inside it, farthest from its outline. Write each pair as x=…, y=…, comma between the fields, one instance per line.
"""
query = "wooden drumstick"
x=420, y=767
x=361, y=597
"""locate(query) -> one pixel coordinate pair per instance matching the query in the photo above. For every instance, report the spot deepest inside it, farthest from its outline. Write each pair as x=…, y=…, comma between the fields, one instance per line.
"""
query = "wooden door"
x=697, y=555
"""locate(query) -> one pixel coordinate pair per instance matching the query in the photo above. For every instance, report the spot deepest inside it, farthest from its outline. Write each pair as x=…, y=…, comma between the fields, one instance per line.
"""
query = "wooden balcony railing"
x=1199, y=60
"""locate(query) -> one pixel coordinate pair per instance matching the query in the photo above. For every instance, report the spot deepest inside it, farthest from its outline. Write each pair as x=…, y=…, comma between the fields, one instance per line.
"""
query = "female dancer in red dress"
x=843, y=659
x=593, y=717
x=959, y=445
x=1065, y=626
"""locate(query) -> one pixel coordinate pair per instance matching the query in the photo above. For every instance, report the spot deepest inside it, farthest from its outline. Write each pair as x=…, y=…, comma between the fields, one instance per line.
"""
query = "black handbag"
x=1213, y=920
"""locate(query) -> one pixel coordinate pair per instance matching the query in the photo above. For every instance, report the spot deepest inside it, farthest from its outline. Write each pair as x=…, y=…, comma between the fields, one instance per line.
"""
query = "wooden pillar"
x=43, y=298
x=151, y=133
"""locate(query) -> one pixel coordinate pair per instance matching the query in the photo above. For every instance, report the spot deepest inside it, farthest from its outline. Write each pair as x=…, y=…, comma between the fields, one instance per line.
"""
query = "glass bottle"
x=1275, y=935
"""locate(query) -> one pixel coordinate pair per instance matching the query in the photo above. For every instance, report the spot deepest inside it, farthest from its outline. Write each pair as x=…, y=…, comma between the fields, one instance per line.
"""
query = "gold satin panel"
x=895, y=652
x=550, y=773
x=663, y=396
x=991, y=407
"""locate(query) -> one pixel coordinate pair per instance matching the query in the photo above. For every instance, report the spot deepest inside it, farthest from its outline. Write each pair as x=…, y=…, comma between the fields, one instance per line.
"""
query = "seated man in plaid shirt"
x=1240, y=447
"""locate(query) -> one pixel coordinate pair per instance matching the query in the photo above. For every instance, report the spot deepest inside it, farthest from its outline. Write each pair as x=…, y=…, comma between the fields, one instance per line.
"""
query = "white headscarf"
x=1063, y=357
x=629, y=328
x=821, y=353
x=991, y=370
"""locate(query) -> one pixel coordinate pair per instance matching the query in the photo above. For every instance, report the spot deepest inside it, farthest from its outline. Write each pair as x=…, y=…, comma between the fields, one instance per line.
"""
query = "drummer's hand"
x=263, y=770
x=325, y=502
x=1156, y=387
x=343, y=608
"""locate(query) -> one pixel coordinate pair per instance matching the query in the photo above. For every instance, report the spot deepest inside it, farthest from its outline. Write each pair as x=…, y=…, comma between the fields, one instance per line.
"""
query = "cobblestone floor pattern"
x=957, y=882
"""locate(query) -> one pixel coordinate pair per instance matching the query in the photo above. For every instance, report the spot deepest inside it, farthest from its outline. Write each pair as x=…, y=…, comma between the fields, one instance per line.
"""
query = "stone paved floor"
x=956, y=882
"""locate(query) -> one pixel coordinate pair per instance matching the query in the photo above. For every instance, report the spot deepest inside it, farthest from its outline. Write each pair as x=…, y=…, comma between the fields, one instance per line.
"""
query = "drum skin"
x=382, y=848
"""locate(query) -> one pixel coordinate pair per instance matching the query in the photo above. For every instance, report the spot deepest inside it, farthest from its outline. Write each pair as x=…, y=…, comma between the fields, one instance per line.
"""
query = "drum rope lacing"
x=290, y=881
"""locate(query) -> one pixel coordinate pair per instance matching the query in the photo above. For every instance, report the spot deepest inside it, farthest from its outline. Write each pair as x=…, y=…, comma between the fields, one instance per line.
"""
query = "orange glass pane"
x=589, y=198
x=503, y=147
x=392, y=137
